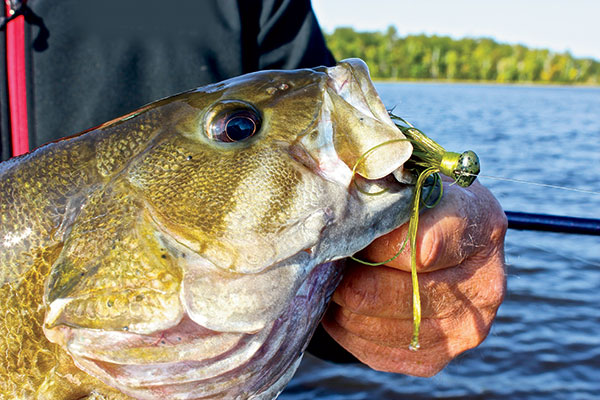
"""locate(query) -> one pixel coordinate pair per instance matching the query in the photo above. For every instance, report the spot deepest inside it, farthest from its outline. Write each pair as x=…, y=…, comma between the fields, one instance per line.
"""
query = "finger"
x=391, y=332
x=469, y=327
x=387, y=292
x=389, y=359
x=466, y=222
x=383, y=343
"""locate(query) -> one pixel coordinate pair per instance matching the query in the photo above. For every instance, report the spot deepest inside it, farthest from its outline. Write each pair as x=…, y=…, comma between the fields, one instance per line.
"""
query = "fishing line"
x=363, y=157
x=572, y=189
x=438, y=150
x=430, y=159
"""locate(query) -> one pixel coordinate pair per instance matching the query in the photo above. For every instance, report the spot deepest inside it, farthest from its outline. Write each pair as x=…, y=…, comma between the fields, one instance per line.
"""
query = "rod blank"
x=552, y=223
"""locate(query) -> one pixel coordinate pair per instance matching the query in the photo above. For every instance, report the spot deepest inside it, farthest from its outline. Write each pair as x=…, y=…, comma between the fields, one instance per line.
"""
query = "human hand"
x=460, y=261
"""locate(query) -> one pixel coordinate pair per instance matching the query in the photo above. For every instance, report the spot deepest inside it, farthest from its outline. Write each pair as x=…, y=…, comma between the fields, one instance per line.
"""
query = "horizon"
x=536, y=24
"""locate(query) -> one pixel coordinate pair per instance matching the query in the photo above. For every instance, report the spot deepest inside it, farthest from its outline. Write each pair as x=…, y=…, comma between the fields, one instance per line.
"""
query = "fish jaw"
x=189, y=361
x=356, y=131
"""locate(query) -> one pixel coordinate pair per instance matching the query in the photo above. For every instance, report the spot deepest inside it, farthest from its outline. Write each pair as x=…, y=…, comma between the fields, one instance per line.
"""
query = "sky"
x=558, y=25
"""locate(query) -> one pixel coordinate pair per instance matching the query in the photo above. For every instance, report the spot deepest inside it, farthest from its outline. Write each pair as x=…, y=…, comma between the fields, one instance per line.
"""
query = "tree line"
x=390, y=56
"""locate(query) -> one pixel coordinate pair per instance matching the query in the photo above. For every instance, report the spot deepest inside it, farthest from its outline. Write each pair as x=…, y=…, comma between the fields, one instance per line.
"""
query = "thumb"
x=465, y=222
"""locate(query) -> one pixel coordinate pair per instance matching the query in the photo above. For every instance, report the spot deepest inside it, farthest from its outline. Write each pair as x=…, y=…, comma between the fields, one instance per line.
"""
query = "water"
x=545, y=342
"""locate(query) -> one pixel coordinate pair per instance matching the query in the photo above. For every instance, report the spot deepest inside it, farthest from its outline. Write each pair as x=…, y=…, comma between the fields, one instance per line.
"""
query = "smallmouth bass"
x=189, y=249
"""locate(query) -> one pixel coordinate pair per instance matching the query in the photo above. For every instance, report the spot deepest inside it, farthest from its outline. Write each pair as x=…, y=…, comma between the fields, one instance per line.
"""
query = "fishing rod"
x=552, y=223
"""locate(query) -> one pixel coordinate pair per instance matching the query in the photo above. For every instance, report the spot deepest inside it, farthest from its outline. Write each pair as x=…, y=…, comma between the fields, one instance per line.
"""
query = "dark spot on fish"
x=188, y=158
x=162, y=342
x=139, y=297
x=109, y=303
x=163, y=256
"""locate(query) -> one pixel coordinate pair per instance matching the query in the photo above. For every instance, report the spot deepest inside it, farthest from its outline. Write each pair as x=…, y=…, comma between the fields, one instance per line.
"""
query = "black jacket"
x=89, y=61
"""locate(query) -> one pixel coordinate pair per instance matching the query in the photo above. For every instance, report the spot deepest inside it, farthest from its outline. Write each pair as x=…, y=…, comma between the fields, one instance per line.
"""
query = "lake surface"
x=545, y=343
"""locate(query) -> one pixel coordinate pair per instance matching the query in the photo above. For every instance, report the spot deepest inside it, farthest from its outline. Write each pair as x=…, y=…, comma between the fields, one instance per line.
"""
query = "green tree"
x=439, y=57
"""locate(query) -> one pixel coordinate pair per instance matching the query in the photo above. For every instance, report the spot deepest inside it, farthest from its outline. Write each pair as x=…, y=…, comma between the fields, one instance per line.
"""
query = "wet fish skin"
x=166, y=264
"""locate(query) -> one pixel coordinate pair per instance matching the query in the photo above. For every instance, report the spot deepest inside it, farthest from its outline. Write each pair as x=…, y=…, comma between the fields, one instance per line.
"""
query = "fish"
x=189, y=249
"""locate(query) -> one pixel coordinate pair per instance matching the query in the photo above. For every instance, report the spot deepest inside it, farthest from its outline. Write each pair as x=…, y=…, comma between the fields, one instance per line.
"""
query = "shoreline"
x=484, y=82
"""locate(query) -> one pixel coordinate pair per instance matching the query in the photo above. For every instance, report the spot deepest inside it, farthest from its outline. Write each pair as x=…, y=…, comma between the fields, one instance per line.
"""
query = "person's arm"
x=462, y=281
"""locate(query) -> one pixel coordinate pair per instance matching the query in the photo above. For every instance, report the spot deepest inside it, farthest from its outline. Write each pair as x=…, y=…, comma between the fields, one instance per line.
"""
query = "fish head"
x=202, y=265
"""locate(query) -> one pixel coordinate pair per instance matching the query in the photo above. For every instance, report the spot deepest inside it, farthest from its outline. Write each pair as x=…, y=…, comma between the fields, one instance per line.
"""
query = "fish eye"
x=234, y=124
x=239, y=126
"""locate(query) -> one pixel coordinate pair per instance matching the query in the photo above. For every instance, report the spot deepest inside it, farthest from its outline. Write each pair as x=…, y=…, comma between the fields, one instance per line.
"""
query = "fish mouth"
x=357, y=135
x=188, y=361
x=350, y=80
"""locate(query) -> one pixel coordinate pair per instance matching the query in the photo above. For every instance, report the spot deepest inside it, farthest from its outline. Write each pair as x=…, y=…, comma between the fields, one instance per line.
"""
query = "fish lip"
x=367, y=100
x=354, y=70
x=388, y=184
x=335, y=153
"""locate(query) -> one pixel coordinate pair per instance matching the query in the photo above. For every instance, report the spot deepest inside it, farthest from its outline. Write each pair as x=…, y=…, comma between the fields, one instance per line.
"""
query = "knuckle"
x=499, y=226
x=432, y=247
x=497, y=285
x=355, y=294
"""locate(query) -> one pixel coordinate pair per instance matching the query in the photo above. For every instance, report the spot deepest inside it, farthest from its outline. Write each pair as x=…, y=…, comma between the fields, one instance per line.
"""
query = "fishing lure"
x=428, y=161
